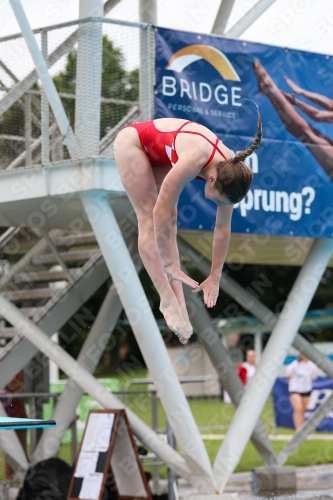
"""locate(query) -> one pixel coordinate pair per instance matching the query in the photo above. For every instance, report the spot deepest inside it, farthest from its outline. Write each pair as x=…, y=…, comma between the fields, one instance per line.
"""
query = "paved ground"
x=314, y=482
x=319, y=495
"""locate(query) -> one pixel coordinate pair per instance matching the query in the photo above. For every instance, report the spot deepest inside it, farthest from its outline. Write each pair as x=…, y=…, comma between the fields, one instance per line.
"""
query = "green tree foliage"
x=117, y=83
x=13, y=123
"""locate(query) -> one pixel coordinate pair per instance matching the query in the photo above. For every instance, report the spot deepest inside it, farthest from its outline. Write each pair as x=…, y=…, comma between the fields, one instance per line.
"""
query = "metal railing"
x=18, y=91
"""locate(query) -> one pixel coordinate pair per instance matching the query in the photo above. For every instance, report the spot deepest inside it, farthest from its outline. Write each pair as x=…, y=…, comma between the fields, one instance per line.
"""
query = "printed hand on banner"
x=320, y=146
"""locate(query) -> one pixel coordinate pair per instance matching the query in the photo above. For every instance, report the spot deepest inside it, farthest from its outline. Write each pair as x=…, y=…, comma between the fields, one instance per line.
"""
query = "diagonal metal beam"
x=154, y=351
x=84, y=379
x=21, y=88
x=57, y=255
x=89, y=357
x=20, y=351
x=272, y=359
x=249, y=302
x=105, y=142
x=300, y=436
x=222, y=17
x=48, y=84
x=148, y=336
x=34, y=145
x=121, y=267
x=222, y=363
x=249, y=18
x=9, y=72
x=34, y=99
x=39, y=248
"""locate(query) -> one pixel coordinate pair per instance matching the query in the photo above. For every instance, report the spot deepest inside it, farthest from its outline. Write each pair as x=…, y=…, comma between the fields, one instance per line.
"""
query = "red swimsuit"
x=160, y=146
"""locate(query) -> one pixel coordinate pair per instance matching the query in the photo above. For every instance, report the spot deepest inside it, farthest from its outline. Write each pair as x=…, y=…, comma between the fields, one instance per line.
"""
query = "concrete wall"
x=193, y=361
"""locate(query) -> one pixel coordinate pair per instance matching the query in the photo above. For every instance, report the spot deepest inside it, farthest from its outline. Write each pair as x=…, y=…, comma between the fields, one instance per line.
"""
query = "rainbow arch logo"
x=187, y=55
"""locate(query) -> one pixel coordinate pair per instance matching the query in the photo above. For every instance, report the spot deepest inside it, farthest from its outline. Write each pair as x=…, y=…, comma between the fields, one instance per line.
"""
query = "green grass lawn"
x=309, y=453
x=208, y=413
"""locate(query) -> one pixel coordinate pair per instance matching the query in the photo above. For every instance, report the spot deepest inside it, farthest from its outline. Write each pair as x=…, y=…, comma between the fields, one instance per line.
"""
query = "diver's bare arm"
x=221, y=239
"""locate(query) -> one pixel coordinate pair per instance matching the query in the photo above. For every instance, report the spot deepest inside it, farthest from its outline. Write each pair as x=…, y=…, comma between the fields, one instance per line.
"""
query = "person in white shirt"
x=247, y=369
x=300, y=374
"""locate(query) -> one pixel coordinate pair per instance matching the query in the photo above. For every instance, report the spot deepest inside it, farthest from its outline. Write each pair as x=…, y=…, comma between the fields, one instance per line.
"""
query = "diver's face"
x=211, y=193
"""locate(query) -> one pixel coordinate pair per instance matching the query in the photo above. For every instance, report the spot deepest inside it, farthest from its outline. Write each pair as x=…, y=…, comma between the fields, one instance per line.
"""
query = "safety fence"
x=29, y=133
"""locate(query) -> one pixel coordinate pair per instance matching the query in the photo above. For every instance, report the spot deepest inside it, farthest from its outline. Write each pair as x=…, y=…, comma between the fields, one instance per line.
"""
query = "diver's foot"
x=188, y=332
x=188, y=329
x=174, y=319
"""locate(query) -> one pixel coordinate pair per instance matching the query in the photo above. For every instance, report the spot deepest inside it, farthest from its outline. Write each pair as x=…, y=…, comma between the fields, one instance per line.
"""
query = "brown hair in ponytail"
x=234, y=177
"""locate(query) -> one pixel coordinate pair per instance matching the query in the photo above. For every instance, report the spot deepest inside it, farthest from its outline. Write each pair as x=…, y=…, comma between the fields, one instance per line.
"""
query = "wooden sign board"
x=108, y=449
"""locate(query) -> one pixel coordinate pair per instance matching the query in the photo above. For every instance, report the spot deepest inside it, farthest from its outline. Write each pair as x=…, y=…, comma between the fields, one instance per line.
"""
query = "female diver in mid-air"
x=155, y=160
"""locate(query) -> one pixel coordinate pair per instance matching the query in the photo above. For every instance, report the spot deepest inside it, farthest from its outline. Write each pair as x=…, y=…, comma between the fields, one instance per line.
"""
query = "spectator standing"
x=14, y=407
x=300, y=374
x=247, y=369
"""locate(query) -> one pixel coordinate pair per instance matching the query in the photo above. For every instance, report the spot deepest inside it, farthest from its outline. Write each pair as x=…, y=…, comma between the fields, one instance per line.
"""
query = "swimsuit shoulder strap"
x=213, y=154
x=182, y=126
x=180, y=130
x=216, y=148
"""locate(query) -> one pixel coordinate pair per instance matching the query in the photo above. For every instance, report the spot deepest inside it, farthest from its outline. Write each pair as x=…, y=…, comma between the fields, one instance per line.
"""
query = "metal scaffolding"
x=88, y=188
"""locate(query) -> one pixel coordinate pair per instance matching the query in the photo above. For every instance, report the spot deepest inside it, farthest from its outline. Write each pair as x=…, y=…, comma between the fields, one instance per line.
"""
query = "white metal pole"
x=249, y=18
x=89, y=356
x=272, y=359
x=258, y=345
x=249, y=302
x=222, y=363
x=27, y=128
x=88, y=79
x=48, y=85
x=148, y=14
x=309, y=425
x=53, y=368
x=45, y=107
x=128, y=285
x=91, y=351
x=79, y=375
x=222, y=16
x=148, y=11
x=26, y=83
x=148, y=336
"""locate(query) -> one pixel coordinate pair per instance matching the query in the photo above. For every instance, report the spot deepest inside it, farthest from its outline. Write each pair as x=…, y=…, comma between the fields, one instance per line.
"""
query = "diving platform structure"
x=24, y=190
x=79, y=230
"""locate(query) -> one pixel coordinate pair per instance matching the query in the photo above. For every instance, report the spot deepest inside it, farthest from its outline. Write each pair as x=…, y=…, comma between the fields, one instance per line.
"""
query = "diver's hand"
x=175, y=274
x=210, y=288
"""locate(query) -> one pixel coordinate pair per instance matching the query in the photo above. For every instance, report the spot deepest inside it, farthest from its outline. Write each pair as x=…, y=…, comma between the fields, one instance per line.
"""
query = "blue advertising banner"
x=216, y=81
x=322, y=389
